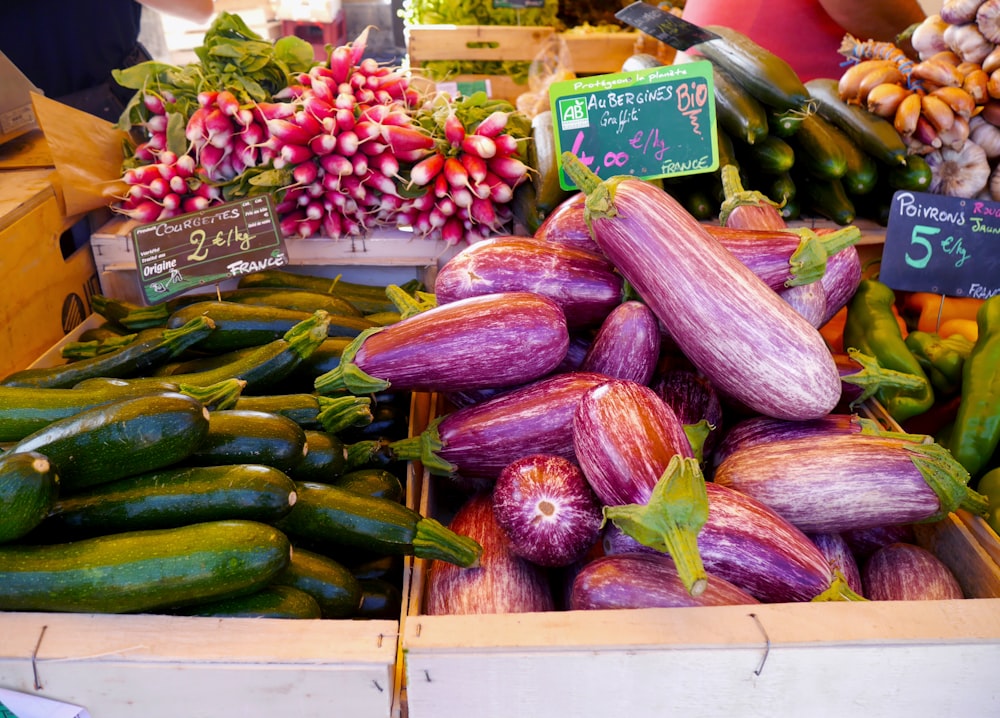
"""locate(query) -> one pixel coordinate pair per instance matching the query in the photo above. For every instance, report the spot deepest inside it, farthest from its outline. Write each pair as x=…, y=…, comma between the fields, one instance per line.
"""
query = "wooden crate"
x=43, y=294
x=598, y=53
x=388, y=256
x=912, y=658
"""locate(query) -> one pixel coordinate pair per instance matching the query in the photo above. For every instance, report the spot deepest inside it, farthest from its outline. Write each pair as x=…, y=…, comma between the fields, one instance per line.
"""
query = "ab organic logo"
x=573, y=113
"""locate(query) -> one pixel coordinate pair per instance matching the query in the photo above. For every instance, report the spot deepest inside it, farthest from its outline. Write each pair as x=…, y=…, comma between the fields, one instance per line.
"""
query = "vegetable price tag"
x=940, y=244
x=656, y=122
x=206, y=247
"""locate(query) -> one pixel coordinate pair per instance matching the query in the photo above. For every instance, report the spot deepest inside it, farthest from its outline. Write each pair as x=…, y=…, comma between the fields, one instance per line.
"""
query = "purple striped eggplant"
x=490, y=341
x=784, y=257
x=862, y=376
x=584, y=284
x=905, y=572
x=641, y=580
x=841, y=558
x=865, y=542
x=809, y=300
x=743, y=208
x=726, y=320
x=851, y=481
x=761, y=429
x=477, y=442
x=501, y=583
x=638, y=460
x=697, y=406
x=840, y=280
x=748, y=544
x=627, y=344
x=567, y=225
x=547, y=509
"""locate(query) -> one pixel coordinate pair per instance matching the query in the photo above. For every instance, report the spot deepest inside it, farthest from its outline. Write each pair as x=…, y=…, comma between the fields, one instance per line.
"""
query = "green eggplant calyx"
x=348, y=376
x=341, y=412
x=305, y=337
x=946, y=477
x=671, y=520
x=435, y=541
x=737, y=196
x=697, y=435
x=839, y=590
x=809, y=261
x=582, y=177
x=872, y=376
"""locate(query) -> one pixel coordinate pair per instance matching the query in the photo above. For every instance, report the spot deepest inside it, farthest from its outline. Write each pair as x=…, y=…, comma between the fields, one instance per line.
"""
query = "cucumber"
x=246, y=325
x=28, y=488
x=332, y=585
x=817, y=150
x=739, y=113
x=152, y=348
x=874, y=134
x=325, y=514
x=174, y=497
x=368, y=299
x=380, y=600
x=142, y=571
x=325, y=458
x=372, y=481
x=273, y=601
x=237, y=436
x=123, y=438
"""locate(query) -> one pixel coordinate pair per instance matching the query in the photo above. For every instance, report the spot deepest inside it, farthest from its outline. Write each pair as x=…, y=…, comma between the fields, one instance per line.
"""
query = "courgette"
x=817, y=150
x=372, y=481
x=739, y=113
x=123, y=438
x=325, y=458
x=272, y=601
x=142, y=571
x=238, y=436
x=154, y=347
x=758, y=71
x=367, y=298
x=311, y=411
x=772, y=155
x=246, y=325
x=332, y=585
x=826, y=197
x=914, y=175
x=874, y=134
x=380, y=599
x=175, y=496
x=326, y=514
x=28, y=488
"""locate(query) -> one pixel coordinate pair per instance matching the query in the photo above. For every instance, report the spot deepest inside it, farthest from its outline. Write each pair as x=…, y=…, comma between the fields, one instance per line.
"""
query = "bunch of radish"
x=170, y=186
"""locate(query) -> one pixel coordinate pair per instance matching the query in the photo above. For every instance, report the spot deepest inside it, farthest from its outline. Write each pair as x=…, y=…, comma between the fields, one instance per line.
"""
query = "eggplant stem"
x=839, y=590
x=872, y=377
x=948, y=479
x=348, y=376
x=808, y=262
x=671, y=520
x=738, y=196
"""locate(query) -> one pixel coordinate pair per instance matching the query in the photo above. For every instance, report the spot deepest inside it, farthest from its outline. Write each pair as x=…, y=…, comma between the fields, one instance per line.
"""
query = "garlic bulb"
x=928, y=37
x=959, y=12
x=988, y=20
x=994, y=185
x=967, y=42
x=986, y=135
x=961, y=172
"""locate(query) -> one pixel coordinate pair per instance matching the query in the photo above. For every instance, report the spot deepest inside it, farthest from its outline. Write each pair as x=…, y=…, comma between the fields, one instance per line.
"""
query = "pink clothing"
x=798, y=31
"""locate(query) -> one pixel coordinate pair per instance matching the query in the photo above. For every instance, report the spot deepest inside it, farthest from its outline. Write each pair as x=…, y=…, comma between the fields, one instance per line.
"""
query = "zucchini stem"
x=341, y=412
x=435, y=541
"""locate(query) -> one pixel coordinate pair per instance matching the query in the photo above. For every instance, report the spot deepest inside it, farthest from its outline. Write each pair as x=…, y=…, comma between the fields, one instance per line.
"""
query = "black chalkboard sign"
x=206, y=247
x=940, y=244
x=650, y=123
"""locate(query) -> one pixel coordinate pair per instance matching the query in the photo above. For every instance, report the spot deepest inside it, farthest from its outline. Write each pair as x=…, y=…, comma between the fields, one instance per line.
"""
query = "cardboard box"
x=44, y=293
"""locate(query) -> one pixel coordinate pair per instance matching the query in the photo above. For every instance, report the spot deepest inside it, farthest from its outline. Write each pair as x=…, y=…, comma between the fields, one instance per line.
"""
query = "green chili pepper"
x=871, y=328
x=976, y=432
x=942, y=358
x=989, y=486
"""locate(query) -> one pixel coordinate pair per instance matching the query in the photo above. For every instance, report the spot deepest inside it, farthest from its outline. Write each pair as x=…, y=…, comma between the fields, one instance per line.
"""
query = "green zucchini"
x=75, y=351
x=176, y=496
x=325, y=514
x=367, y=298
x=817, y=150
x=874, y=134
x=773, y=155
x=261, y=367
x=142, y=571
x=154, y=347
x=758, y=71
x=28, y=488
x=827, y=198
x=324, y=460
x=784, y=123
x=301, y=408
x=779, y=188
x=332, y=585
x=385, y=567
x=380, y=600
x=246, y=325
x=739, y=113
x=122, y=438
x=372, y=481
x=272, y=601
x=914, y=175
x=238, y=436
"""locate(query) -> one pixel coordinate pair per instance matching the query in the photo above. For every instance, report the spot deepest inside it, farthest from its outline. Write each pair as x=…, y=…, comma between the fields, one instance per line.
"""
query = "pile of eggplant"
x=639, y=414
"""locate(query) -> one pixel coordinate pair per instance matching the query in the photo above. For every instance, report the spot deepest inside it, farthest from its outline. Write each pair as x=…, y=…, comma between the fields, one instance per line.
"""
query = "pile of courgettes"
x=175, y=465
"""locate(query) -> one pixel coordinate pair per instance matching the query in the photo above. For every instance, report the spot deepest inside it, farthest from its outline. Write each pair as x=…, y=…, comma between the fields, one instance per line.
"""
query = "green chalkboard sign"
x=946, y=245
x=228, y=240
x=650, y=123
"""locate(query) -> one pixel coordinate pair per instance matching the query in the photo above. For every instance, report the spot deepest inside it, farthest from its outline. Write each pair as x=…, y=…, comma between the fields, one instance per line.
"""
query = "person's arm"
x=874, y=19
x=194, y=10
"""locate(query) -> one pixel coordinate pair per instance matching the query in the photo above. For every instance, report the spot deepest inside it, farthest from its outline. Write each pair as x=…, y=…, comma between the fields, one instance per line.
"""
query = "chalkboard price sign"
x=207, y=247
x=656, y=122
x=945, y=245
